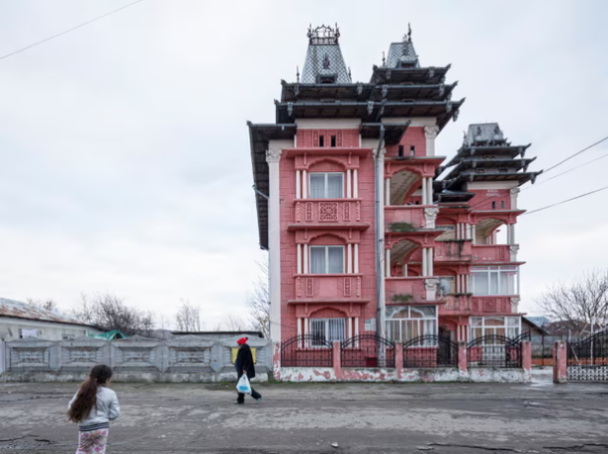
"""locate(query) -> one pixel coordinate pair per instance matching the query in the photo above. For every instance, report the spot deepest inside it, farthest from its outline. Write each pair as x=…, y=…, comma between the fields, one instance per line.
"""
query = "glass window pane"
x=317, y=185
x=494, y=321
x=480, y=284
x=336, y=259
x=317, y=330
x=336, y=329
x=513, y=321
x=317, y=260
x=494, y=284
x=335, y=186
x=475, y=321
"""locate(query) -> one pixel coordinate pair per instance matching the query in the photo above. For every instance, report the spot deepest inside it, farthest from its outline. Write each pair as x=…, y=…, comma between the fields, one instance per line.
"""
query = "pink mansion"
x=368, y=231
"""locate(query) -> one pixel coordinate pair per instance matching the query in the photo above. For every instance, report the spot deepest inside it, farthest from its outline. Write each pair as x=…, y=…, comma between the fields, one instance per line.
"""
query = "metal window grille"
x=368, y=350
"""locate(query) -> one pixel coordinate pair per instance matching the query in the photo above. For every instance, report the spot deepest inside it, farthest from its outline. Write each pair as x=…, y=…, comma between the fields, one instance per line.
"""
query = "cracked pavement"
x=307, y=418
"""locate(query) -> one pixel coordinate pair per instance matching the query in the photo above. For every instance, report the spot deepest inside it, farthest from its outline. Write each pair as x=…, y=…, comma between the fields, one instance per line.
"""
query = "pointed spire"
x=409, y=32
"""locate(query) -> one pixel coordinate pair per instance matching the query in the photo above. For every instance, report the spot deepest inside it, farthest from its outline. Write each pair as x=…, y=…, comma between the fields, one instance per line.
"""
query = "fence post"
x=398, y=357
x=3, y=356
x=526, y=357
x=560, y=362
x=462, y=358
x=276, y=360
x=337, y=355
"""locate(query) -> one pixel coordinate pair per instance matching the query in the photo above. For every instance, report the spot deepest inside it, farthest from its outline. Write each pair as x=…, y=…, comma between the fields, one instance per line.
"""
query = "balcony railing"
x=456, y=305
x=452, y=251
x=405, y=289
x=491, y=304
x=491, y=253
x=328, y=286
x=320, y=211
x=404, y=216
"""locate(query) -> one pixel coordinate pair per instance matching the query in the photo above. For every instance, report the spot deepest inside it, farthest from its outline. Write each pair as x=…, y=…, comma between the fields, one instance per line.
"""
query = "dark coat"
x=244, y=361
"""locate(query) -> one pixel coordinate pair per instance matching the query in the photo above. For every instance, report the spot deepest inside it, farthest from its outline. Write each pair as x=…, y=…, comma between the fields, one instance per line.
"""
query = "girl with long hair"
x=93, y=407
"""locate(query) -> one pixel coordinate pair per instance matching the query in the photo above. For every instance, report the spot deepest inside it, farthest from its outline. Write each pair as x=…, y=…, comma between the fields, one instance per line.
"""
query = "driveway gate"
x=588, y=359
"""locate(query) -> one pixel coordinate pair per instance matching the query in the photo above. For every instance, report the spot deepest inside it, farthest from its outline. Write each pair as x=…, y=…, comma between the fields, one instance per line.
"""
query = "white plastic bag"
x=243, y=385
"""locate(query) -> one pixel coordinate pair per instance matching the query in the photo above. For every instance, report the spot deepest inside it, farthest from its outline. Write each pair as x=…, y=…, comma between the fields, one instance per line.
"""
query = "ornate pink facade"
x=445, y=269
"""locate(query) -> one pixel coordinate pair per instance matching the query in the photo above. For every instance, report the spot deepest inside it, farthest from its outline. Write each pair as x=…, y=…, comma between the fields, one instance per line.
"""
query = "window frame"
x=325, y=185
x=425, y=320
x=327, y=331
x=497, y=271
x=326, y=247
x=505, y=325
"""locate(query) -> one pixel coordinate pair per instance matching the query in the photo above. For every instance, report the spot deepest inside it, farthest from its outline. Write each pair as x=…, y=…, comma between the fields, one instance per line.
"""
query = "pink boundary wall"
x=399, y=374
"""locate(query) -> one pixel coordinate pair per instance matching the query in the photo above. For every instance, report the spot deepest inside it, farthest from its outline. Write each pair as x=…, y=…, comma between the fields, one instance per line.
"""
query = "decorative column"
x=355, y=184
x=348, y=184
x=356, y=254
x=304, y=185
x=387, y=191
x=298, y=185
x=430, y=216
x=349, y=258
x=430, y=133
x=299, y=258
x=474, y=234
x=424, y=193
x=429, y=190
x=387, y=263
x=514, y=192
x=431, y=289
x=273, y=158
x=429, y=262
x=305, y=265
x=424, y=263
x=513, y=250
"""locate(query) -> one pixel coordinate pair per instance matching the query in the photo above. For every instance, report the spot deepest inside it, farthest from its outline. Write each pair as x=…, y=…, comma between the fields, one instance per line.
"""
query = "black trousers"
x=254, y=394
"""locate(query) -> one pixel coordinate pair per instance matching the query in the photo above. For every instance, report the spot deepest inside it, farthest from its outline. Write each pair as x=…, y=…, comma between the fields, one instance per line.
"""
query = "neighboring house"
x=217, y=335
x=20, y=320
x=443, y=268
x=571, y=328
x=531, y=325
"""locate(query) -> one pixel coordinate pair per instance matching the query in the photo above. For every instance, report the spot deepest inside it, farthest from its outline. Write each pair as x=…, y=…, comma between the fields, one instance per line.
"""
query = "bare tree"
x=258, y=300
x=110, y=312
x=583, y=301
x=47, y=305
x=188, y=317
x=235, y=323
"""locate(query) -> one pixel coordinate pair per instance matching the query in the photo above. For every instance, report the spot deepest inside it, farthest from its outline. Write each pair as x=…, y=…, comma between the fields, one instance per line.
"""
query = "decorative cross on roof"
x=323, y=35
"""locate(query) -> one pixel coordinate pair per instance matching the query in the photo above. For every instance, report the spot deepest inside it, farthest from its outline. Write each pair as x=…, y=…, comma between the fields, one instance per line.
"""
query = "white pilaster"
x=424, y=194
x=306, y=326
x=299, y=321
x=430, y=216
x=405, y=270
x=387, y=191
x=349, y=320
x=304, y=185
x=424, y=262
x=356, y=326
x=474, y=234
x=430, y=267
x=429, y=190
x=348, y=185
x=355, y=184
x=305, y=266
x=514, y=192
x=430, y=133
x=349, y=258
x=273, y=158
x=299, y=258
x=298, y=185
x=468, y=227
x=511, y=234
x=356, y=257
x=388, y=262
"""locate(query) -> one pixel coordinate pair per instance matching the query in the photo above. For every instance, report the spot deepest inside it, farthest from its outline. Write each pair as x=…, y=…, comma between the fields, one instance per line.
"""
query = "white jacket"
x=106, y=410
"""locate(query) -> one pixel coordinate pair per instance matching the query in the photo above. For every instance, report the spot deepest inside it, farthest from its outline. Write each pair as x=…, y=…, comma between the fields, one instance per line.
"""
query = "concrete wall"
x=10, y=326
x=137, y=359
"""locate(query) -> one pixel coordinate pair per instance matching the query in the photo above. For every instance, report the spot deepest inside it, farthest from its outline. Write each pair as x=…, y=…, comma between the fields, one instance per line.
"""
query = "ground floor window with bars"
x=412, y=322
x=325, y=330
x=494, y=326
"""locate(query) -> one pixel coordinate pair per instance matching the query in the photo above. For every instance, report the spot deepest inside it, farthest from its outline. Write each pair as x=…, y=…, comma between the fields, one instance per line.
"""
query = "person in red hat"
x=244, y=365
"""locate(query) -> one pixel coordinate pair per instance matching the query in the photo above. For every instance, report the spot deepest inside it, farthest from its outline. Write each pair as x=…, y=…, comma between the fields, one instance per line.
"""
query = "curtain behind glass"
x=317, y=260
x=317, y=185
x=336, y=259
x=336, y=329
x=334, y=186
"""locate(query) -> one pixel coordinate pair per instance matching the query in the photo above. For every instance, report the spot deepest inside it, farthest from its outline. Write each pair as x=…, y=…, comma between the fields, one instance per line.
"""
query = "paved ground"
x=361, y=418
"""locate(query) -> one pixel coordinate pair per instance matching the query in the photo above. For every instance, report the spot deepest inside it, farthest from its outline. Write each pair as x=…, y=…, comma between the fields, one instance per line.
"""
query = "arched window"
x=412, y=322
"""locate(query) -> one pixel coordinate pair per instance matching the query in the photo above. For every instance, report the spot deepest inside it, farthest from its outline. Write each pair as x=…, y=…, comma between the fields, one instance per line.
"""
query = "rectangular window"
x=325, y=330
x=495, y=280
x=413, y=150
x=494, y=326
x=401, y=151
x=413, y=322
x=502, y=205
x=493, y=205
x=326, y=185
x=327, y=259
x=333, y=141
x=321, y=141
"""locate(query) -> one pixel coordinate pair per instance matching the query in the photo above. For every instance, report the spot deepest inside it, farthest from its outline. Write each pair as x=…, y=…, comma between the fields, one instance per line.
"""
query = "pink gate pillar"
x=337, y=354
x=526, y=356
x=276, y=360
x=560, y=362
x=399, y=358
x=462, y=358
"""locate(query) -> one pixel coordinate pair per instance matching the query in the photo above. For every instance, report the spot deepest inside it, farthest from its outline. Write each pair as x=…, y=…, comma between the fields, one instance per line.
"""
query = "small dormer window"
x=321, y=141
x=413, y=150
x=327, y=79
x=333, y=141
x=401, y=151
x=493, y=205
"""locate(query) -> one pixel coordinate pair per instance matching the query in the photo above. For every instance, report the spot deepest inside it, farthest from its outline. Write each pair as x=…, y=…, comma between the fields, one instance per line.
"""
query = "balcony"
x=329, y=287
x=452, y=251
x=406, y=215
x=491, y=253
x=492, y=305
x=405, y=290
x=324, y=213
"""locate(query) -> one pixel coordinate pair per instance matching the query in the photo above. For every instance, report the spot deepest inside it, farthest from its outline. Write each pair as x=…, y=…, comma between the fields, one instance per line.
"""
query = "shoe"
x=258, y=400
x=239, y=403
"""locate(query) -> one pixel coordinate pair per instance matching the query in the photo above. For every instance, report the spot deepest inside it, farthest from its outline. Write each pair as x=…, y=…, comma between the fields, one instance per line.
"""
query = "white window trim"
x=483, y=327
x=326, y=323
x=489, y=270
x=326, y=259
x=326, y=174
x=424, y=318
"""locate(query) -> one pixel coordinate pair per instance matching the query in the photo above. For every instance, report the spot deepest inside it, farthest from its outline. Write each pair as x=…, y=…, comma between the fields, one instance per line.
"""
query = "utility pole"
x=379, y=205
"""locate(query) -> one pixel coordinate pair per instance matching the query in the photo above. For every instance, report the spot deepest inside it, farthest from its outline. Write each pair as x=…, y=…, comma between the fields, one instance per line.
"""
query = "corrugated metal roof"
x=17, y=309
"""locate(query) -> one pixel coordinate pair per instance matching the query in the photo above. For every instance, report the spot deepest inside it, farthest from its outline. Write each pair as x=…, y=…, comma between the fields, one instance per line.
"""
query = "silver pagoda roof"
x=324, y=62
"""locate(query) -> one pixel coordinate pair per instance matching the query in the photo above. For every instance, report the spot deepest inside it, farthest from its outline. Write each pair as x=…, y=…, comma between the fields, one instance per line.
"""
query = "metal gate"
x=588, y=359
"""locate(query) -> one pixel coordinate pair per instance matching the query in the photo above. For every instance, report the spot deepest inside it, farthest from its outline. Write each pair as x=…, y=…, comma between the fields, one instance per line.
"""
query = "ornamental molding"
x=273, y=155
x=431, y=132
x=514, y=191
x=431, y=284
x=431, y=213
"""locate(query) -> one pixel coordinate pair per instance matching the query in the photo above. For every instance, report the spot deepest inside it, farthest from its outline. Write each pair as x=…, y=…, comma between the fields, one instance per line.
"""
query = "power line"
x=565, y=172
x=23, y=49
x=576, y=154
x=566, y=201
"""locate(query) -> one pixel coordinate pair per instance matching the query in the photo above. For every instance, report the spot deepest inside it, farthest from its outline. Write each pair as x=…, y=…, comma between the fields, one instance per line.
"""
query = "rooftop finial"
x=350, y=76
x=323, y=35
x=409, y=33
x=297, y=74
x=383, y=59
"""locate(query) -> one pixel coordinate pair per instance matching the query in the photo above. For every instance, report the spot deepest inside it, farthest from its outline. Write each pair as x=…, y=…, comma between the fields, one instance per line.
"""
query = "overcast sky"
x=124, y=153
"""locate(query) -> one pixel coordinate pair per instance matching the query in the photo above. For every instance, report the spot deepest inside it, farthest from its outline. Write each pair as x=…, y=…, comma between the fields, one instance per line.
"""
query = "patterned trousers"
x=93, y=442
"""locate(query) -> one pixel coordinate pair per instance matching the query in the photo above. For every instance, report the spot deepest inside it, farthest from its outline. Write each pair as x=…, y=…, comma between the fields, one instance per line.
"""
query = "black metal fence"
x=307, y=351
x=591, y=351
x=430, y=351
x=368, y=350
x=495, y=351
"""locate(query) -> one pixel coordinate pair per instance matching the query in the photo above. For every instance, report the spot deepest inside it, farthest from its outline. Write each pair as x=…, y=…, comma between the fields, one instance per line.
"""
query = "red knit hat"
x=242, y=340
